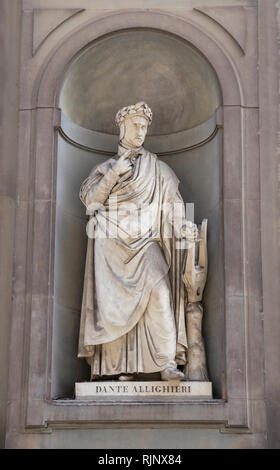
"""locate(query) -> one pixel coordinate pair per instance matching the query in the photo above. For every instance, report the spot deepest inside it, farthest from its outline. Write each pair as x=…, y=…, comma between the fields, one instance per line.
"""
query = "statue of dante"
x=133, y=318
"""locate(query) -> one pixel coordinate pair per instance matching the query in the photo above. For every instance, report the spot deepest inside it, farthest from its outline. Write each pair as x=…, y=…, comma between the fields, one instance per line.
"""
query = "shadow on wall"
x=181, y=88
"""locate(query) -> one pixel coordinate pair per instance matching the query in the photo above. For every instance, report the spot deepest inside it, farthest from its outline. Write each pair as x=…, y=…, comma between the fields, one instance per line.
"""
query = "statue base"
x=161, y=389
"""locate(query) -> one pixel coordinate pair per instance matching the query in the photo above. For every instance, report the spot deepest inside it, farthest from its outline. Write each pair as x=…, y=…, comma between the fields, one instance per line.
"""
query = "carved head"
x=133, y=122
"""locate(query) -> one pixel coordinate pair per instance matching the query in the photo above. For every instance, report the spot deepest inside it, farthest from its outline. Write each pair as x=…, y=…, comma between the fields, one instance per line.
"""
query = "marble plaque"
x=174, y=389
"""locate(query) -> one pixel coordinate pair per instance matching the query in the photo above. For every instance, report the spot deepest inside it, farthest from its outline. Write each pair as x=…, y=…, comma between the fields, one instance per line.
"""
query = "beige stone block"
x=235, y=28
x=174, y=389
x=120, y=4
x=253, y=250
x=46, y=20
x=41, y=244
x=231, y=18
x=233, y=244
x=255, y=345
x=237, y=414
x=232, y=153
x=20, y=243
x=235, y=348
x=25, y=156
x=251, y=153
x=45, y=152
x=38, y=345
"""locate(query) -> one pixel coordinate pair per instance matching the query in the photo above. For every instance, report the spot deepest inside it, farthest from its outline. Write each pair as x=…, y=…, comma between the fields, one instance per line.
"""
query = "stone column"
x=10, y=14
x=269, y=33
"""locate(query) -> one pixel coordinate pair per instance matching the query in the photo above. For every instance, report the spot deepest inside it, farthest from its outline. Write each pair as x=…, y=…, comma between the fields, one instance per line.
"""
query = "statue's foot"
x=126, y=377
x=171, y=373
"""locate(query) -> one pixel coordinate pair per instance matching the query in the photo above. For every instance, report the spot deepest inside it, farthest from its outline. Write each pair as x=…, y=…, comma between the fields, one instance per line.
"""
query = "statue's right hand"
x=123, y=164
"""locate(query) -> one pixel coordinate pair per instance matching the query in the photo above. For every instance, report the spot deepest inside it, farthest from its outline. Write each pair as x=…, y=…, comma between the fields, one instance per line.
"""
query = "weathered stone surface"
x=269, y=28
x=233, y=243
x=9, y=74
x=232, y=154
x=223, y=15
x=175, y=389
x=238, y=76
x=236, y=357
x=46, y=20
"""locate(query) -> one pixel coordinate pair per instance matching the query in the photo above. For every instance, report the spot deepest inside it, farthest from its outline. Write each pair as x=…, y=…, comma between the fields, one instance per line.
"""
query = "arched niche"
x=183, y=91
x=140, y=64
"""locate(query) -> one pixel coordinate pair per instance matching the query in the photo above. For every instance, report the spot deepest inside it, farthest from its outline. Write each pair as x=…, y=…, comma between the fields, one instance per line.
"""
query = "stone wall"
x=9, y=79
x=239, y=38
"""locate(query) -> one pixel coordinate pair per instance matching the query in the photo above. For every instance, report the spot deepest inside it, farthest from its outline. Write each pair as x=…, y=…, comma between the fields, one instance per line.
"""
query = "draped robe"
x=132, y=317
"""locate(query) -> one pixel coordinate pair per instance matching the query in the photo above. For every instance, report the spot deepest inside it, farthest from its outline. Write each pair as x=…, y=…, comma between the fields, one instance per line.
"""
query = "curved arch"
x=51, y=76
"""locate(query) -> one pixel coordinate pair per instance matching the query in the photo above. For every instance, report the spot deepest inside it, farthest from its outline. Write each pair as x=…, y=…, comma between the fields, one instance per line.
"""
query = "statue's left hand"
x=189, y=231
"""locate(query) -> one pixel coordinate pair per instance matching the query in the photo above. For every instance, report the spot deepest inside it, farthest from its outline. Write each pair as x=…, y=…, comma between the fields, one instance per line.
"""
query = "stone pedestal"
x=120, y=390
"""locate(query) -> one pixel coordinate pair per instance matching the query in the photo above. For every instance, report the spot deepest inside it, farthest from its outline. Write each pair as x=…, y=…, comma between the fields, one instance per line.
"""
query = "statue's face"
x=135, y=130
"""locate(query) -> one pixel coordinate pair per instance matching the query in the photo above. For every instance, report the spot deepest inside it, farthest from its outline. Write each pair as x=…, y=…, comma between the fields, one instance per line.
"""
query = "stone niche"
x=183, y=91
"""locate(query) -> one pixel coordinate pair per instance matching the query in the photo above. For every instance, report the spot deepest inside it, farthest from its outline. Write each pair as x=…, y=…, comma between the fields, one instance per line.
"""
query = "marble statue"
x=135, y=310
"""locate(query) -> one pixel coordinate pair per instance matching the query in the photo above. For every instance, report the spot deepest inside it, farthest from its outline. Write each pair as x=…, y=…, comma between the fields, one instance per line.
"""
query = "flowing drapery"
x=131, y=262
